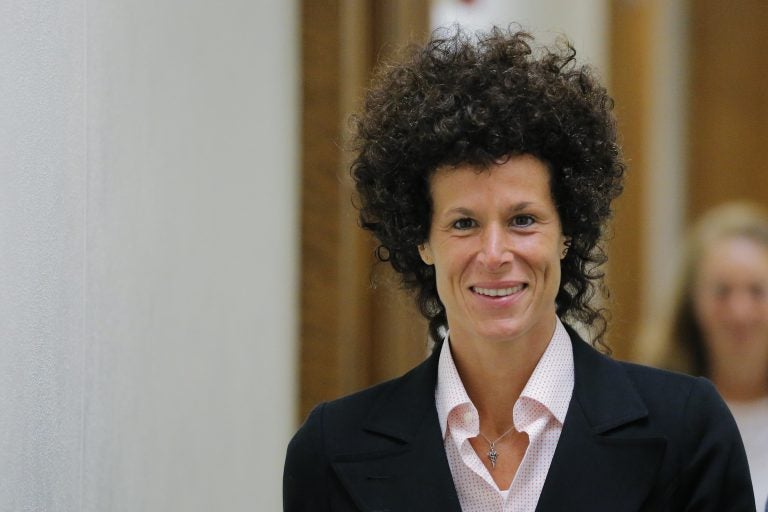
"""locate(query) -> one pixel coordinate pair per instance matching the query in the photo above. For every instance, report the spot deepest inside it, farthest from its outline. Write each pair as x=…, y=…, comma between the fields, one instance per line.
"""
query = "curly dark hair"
x=475, y=99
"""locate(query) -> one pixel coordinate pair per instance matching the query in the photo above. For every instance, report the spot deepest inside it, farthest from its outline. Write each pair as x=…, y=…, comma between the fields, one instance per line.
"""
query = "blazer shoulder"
x=330, y=429
x=704, y=438
x=649, y=379
x=670, y=388
x=340, y=417
x=343, y=422
x=678, y=396
x=704, y=466
x=352, y=410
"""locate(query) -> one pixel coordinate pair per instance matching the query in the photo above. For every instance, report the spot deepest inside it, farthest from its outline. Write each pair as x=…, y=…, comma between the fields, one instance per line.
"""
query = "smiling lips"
x=497, y=292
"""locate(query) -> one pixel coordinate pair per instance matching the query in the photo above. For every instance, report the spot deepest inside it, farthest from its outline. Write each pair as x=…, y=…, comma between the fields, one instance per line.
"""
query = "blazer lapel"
x=407, y=469
x=600, y=464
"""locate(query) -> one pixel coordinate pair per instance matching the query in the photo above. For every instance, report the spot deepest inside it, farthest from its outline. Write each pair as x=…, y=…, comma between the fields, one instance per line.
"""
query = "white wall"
x=667, y=137
x=148, y=253
x=583, y=22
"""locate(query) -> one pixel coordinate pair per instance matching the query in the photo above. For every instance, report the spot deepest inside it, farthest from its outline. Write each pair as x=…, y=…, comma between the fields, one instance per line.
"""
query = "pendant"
x=493, y=455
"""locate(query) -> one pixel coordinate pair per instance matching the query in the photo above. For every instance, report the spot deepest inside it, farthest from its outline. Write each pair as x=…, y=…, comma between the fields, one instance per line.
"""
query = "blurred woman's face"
x=731, y=302
x=496, y=244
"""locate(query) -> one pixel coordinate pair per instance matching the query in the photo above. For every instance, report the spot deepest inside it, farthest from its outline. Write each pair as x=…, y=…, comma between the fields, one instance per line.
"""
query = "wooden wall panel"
x=352, y=334
x=320, y=293
x=729, y=103
x=631, y=28
x=399, y=333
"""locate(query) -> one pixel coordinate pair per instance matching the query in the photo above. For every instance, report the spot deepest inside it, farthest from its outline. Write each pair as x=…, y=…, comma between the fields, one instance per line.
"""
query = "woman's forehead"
x=735, y=254
x=524, y=174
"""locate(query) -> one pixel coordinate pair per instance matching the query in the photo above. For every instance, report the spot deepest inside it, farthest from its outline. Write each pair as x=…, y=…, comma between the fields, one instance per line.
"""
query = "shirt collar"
x=550, y=384
x=450, y=392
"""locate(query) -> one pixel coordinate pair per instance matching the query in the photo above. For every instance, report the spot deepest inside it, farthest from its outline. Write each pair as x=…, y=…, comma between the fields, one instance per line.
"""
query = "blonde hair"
x=676, y=342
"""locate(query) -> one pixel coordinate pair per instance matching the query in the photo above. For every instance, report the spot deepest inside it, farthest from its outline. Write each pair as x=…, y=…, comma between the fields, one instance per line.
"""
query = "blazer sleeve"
x=305, y=475
x=715, y=474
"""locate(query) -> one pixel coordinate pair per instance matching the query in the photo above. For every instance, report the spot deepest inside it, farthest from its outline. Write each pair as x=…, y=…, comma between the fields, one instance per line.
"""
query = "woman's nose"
x=495, y=250
x=742, y=307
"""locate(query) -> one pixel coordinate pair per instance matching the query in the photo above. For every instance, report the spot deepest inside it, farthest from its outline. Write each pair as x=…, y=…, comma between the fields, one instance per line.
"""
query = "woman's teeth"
x=497, y=292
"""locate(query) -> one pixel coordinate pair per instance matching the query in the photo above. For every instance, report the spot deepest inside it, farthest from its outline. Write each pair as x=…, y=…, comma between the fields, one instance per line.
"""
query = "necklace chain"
x=493, y=455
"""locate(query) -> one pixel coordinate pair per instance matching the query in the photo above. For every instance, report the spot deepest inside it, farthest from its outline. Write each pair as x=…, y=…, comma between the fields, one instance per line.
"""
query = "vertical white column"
x=148, y=253
x=191, y=253
x=42, y=205
x=665, y=204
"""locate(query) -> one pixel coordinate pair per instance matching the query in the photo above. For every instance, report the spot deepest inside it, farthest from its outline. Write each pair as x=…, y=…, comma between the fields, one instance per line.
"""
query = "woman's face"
x=496, y=244
x=731, y=302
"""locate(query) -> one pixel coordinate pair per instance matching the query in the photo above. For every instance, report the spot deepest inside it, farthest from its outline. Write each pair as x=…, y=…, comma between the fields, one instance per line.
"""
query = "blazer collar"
x=413, y=472
x=400, y=414
x=600, y=464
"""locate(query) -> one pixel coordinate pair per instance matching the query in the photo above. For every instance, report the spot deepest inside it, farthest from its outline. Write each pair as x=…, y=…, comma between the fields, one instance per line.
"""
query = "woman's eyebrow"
x=521, y=206
x=461, y=210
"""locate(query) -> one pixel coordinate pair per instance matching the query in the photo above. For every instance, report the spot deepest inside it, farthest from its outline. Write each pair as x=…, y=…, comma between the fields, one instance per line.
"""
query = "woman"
x=718, y=322
x=486, y=169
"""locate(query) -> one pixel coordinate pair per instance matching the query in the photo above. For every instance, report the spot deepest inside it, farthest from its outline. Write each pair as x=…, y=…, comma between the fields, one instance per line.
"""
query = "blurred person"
x=717, y=324
x=486, y=168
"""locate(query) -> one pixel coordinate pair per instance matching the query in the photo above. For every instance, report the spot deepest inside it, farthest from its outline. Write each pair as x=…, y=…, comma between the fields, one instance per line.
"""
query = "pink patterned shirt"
x=540, y=412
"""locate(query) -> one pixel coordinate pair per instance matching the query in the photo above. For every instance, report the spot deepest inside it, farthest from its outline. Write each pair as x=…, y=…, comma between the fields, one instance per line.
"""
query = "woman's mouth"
x=497, y=292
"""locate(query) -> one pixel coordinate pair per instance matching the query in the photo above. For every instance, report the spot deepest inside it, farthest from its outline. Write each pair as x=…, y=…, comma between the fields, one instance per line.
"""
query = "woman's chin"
x=504, y=331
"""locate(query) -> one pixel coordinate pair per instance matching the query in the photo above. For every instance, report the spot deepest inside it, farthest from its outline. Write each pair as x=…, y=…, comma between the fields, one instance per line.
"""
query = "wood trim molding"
x=729, y=103
x=631, y=33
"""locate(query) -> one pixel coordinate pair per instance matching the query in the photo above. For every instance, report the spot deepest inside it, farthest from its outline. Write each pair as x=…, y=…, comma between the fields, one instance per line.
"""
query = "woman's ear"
x=566, y=245
x=426, y=253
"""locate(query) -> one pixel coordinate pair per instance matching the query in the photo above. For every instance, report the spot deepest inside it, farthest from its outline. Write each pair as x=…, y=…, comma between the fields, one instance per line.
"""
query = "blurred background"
x=181, y=270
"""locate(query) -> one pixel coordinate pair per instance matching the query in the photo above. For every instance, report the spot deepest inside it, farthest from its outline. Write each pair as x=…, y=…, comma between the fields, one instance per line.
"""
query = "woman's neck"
x=740, y=386
x=494, y=374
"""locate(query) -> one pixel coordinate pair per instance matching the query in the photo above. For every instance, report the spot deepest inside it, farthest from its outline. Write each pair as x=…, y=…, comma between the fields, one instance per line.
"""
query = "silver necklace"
x=493, y=455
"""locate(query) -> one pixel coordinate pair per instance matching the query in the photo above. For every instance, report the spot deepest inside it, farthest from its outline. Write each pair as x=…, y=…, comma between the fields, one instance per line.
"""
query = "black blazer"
x=634, y=438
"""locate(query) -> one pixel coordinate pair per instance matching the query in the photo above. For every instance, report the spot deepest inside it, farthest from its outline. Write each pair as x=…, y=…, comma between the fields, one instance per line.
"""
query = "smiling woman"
x=486, y=168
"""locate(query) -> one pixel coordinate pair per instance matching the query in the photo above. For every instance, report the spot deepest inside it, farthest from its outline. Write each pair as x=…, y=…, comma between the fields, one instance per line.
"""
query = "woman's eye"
x=758, y=292
x=521, y=221
x=721, y=291
x=464, y=223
